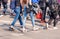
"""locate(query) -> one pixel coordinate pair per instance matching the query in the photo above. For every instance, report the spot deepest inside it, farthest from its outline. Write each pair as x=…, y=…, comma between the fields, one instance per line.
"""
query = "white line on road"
x=16, y=34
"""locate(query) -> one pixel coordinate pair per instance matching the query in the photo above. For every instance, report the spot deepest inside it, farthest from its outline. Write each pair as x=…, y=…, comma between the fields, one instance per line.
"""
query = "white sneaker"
x=34, y=28
x=11, y=28
x=23, y=29
x=55, y=28
x=1, y=15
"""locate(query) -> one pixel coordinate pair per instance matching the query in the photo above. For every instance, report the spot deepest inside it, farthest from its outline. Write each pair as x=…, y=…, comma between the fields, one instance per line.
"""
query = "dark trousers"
x=0, y=4
x=4, y=6
x=59, y=14
x=44, y=13
x=53, y=18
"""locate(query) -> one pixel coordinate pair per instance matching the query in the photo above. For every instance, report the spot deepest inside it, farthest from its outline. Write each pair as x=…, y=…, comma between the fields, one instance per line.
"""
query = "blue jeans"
x=17, y=17
x=25, y=16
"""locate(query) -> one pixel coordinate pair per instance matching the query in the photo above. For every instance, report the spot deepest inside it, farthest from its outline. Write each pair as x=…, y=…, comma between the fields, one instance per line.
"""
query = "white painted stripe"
x=16, y=34
x=28, y=24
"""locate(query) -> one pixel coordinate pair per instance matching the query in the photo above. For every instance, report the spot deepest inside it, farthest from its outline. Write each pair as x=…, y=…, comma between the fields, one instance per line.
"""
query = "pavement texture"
x=6, y=20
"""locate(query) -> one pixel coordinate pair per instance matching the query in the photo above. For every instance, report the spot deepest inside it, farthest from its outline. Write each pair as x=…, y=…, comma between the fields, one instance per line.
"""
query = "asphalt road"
x=6, y=20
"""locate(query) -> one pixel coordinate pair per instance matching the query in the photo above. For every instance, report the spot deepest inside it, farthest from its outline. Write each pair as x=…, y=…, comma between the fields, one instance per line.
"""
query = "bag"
x=39, y=15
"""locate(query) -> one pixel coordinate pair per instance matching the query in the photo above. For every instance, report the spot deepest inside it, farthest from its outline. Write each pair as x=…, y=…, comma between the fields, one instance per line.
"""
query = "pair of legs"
x=44, y=14
x=4, y=7
x=25, y=16
x=17, y=17
x=32, y=18
x=53, y=18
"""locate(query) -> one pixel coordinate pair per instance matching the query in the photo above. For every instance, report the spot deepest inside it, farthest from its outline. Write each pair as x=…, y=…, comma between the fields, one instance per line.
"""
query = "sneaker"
x=50, y=29
x=1, y=15
x=11, y=28
x=23, y=29
x=34, y=28
x=55, y=28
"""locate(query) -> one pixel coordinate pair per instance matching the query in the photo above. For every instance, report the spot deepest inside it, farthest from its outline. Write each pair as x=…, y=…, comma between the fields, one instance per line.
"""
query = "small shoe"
x=55, y=28
x=11, y=28
x=23, y=29
x=1, y=15
x=34, y=28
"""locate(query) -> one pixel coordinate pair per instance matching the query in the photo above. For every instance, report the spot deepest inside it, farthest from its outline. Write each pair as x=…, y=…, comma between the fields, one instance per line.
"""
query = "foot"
x=11, y=28
x=35, y=28
x=1, y=15
x=23, y=30
x=55, y=28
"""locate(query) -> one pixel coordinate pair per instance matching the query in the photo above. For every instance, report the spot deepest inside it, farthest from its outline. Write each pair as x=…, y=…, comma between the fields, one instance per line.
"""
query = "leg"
x=33, y=21
x=0, y=4
x=43, y=15
x=5, y=8
x=32, y=18
x=16, y=17
x=25, y=16
x=20, y=20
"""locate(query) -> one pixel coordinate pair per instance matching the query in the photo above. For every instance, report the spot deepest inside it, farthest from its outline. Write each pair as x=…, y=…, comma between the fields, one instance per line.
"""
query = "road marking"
x=11, y=21
x=16, y=34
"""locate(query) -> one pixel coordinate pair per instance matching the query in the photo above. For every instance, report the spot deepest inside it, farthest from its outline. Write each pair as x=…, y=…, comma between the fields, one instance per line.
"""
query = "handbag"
x=39, y=15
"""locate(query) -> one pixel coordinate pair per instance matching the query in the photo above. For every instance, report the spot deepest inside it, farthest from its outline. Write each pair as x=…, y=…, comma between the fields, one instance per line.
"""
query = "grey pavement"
x=5, y=22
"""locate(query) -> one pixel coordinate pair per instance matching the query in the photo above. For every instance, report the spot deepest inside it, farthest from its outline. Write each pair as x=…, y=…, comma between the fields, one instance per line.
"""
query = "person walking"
x=17, y=16
x=29, y=10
